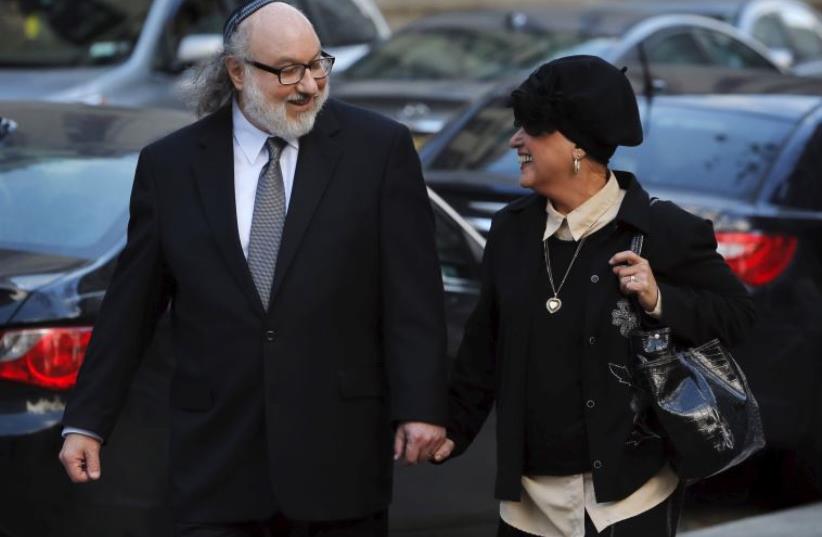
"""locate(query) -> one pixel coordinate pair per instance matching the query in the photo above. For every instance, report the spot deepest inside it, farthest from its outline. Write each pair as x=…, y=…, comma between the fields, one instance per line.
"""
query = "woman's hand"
x=636, y=278
x=444, y=450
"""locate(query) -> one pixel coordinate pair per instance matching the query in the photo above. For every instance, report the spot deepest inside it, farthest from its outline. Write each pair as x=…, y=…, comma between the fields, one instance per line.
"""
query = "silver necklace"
x=554, y=303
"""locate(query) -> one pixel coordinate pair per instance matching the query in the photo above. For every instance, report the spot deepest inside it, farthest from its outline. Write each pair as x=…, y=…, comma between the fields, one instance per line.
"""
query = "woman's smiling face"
x=544, y=159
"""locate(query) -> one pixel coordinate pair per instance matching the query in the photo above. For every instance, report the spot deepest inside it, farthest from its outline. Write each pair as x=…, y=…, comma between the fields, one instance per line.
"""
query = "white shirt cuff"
x=73, y=430
x=656, y=313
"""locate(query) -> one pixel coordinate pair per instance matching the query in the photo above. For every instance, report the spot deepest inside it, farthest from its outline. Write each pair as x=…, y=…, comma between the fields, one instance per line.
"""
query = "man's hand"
x=81, y=457
x=417, y=441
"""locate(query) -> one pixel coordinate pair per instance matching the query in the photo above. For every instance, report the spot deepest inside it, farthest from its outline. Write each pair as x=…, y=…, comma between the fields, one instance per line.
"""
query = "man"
x=293, y=240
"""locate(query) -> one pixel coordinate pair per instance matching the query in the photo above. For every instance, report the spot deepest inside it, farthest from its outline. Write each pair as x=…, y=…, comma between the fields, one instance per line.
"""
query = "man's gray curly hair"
x=212, y=87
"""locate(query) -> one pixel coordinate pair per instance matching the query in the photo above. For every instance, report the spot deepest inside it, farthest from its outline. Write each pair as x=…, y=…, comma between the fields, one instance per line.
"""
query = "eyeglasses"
x=292, y=74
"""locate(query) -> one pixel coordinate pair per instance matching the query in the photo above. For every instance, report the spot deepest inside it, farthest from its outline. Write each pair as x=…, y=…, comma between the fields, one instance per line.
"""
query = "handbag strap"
x=638, y=240
x=637, y=243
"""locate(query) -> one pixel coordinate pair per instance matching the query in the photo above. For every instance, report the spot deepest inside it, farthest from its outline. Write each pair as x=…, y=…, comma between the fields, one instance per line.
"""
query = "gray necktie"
x=267, y=222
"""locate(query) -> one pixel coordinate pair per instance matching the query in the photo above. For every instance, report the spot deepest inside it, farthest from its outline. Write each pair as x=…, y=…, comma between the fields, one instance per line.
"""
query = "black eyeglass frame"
x=305, y=66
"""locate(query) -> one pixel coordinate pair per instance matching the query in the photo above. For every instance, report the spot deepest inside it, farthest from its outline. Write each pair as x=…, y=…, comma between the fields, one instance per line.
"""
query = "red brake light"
x=45, y=357
x=757, y=259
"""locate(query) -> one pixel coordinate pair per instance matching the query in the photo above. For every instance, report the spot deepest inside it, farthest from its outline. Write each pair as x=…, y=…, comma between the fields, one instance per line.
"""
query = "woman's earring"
x=576, y=166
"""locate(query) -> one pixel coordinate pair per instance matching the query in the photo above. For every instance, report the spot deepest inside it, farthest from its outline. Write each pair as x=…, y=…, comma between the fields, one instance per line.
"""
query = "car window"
x=459, y=53
x=804, y=31
x=482, y=143
x=69, y=33
x=76, y=207
x=728, y=152
x=801, y=189
x=770, y=31
x=676, y=47
x=342, y=22
x=191, y=17
x=726, y=51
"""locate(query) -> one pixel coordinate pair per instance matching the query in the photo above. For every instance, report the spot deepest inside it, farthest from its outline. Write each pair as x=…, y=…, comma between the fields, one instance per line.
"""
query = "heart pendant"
x=553, y=305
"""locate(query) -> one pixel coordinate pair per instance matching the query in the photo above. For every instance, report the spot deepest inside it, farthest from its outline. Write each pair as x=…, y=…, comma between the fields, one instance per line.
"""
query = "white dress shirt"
x=250, y=156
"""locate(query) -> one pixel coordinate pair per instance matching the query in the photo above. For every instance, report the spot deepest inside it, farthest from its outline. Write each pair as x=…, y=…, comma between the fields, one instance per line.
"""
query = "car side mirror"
x=782, y=57
x=195, y=48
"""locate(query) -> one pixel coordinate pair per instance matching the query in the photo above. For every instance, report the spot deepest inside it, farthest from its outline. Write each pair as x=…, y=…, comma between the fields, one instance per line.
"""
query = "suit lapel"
x=319, y=154
x=214, y=173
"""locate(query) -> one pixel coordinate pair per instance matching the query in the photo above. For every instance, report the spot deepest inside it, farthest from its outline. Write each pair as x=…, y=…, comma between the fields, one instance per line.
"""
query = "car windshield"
x=69, y=33
x=461, y=53
x=63, y=204
x=729, y=151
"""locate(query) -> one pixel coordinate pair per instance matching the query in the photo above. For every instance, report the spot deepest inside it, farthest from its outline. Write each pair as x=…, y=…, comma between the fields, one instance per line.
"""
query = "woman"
x=548, y=339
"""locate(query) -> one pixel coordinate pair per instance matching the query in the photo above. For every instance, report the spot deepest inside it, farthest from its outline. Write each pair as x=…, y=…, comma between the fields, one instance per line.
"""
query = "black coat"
x=701, y=299
x=294, y=405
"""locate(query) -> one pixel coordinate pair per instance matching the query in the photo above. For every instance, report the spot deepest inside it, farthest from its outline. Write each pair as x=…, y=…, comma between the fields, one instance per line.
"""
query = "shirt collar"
x=581, y=219
x=251, y=139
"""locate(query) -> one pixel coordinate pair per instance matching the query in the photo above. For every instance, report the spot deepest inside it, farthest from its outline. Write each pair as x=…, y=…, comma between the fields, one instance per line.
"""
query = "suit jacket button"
x=590, y=403
x=592, y=340
x=270, y=335
x=597, y=464
x=594, y=279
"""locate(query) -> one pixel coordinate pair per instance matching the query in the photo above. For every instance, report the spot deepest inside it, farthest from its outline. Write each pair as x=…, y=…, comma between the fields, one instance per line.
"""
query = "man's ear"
x=236, y=71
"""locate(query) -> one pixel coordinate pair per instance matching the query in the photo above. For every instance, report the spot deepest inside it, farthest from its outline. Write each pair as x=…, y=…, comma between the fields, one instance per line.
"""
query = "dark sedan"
x=65, y=176
x=749, y=162
x=426, y=72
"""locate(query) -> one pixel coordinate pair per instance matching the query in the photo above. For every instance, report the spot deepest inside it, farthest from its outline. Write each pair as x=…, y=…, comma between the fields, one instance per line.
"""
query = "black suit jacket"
x=295, y=404
x=701, y=300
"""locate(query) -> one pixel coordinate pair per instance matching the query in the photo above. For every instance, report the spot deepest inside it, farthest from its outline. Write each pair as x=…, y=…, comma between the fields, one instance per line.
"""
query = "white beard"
x=274, y=118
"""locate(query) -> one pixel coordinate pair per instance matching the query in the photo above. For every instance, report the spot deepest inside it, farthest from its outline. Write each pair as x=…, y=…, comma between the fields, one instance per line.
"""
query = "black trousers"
x=279, y=526
x=661, y=521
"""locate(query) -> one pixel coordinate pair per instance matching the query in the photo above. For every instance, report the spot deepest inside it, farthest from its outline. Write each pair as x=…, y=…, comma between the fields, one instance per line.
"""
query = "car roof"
x=607, y=20
x=752, y=91
x=84, y=129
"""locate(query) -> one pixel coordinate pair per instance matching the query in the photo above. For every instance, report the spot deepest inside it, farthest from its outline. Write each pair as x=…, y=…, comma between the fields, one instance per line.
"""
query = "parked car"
x=426, y=72
x=751, y=164
x=791, y=29
x=65, y=175
x=137, y=52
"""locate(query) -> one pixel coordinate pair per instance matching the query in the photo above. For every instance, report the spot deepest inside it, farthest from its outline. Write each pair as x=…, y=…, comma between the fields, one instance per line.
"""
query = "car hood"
x=38, y=84
x=722, y=210
x=23, y=273
x=424, y=106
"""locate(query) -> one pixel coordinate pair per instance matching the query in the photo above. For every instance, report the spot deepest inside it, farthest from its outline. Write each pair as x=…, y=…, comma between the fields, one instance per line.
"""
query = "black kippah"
x=240, y=14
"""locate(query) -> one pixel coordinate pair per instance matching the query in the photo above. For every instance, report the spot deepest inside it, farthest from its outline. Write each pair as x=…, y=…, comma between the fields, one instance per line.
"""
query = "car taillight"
x=757, y=258
x=45, y=357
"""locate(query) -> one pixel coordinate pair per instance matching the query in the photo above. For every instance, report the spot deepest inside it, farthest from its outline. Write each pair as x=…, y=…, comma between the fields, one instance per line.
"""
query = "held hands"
x=444, y=450
x=417, y=442
x=81, y=458
x=636, y=278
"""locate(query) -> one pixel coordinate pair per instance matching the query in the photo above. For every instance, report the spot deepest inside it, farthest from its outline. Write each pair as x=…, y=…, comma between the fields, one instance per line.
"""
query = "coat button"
x=270, y=335
x=594, y=279
x=597, y=464
x=590, y=403
x=592, y=340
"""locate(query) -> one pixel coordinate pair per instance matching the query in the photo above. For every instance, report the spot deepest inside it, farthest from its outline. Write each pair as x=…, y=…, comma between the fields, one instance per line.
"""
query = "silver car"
x=430, y=69
x=138, y=52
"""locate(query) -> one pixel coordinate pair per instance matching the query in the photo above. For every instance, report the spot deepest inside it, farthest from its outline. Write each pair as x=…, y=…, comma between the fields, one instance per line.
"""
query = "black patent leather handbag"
x=699, y=397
